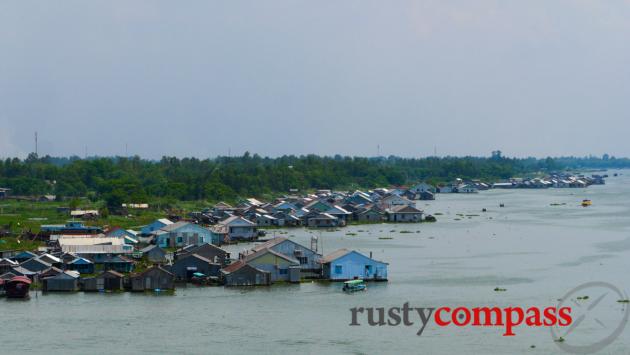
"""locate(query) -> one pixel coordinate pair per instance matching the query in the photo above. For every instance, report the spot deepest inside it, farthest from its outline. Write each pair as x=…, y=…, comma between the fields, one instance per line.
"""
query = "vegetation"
x=135, y=180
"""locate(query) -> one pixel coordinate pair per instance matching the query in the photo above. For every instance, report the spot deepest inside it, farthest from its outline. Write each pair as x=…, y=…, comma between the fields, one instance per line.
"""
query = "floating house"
x=281, y=267
x=393, y=200
x=6, y=265
x=241, y=274
x=155, y=226
x=340, y=213
x=323, y=220
x=36, y=265
x=154, y=254
x=404, y=214
x=309, y=260
x=369, y=215
x=183, y=233
x=67, y=281
x=209, y=251
x=155, y=278
x=239, y=228
x=185, y=267
x=422, y=187
x=94, y=247
x=118, y=263
x=82, y=265
x=345, y=264
x=23, y=256
x=106, y=281
x=130, y=237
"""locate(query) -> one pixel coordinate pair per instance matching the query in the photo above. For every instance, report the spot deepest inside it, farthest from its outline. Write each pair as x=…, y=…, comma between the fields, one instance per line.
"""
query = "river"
x=535, y=251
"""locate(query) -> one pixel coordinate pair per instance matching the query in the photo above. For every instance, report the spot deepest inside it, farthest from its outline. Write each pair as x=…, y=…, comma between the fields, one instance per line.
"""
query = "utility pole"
x=36, y=143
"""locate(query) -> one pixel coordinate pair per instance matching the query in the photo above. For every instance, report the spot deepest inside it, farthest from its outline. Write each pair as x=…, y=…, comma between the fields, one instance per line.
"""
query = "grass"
x=23, y=216
x=12, y=243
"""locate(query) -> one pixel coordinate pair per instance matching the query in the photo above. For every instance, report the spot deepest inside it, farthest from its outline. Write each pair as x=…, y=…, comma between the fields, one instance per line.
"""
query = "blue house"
x=23, y=256
x=184, y=233
x=128, y=235
x=345, y=264
x=155, y=226
x=82, y=265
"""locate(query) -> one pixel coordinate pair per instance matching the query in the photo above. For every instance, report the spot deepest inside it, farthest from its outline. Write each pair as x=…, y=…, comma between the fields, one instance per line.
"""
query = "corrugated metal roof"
x=335, y=255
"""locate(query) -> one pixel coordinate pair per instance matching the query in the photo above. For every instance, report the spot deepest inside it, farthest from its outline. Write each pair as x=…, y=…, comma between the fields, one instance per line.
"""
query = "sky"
x=353, y=77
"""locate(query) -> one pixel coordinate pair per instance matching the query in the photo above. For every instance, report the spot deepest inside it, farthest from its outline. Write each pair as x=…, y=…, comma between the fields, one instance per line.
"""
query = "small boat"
x=354, y=285
x=199, y=278
x=586, y=203
x=17, y=287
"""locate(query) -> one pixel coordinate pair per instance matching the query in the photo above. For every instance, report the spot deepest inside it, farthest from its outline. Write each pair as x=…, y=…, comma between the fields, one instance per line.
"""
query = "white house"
x=239, y=228
x=422, y=187
x=390, y=201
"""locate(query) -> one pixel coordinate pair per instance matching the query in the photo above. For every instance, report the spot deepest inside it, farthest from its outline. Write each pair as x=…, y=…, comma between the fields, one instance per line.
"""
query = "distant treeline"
x=228, y=178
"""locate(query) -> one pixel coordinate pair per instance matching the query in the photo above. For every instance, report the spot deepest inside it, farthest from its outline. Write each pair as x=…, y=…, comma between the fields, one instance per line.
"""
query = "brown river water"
x=535, y=251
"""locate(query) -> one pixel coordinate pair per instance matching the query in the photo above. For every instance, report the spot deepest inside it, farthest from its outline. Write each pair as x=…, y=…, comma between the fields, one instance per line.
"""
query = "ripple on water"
x=616, y=246
x=586, y=260
x=486, y=280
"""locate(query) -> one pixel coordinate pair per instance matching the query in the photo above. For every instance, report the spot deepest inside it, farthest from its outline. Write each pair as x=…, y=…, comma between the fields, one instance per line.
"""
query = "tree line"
x=136, y=180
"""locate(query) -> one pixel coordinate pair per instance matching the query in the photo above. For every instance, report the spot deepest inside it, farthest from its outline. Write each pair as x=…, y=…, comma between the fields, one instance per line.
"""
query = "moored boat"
x=17, y=287
x=586, y=203
x=354, y=286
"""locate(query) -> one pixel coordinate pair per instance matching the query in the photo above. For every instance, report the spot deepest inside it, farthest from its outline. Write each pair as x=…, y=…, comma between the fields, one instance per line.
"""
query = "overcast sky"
x=201, y=78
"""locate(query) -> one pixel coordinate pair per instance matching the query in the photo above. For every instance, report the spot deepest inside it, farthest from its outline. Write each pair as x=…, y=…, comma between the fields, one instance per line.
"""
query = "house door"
x=147, y=283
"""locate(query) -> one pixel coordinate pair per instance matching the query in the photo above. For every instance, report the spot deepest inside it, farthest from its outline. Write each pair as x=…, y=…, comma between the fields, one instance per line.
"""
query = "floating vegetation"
x=582, y=298
x=499, y=289
x=557, y=204
x=392, y=231
x=431, y=237
x=360, y=231
x=559, y=340
x=417, y=231
x=351, y=234
x=458, y=219
x=472, y=215
x=406, y=231
x=438, y=213
x=459, y=214
x=624, y=301
x=385, y=238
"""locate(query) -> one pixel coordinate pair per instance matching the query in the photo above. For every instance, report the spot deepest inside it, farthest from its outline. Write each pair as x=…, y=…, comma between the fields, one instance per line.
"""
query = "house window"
x=180, y=239
x=284, y=271
x=338, y=269
x=303, y=260
x=368, y=269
